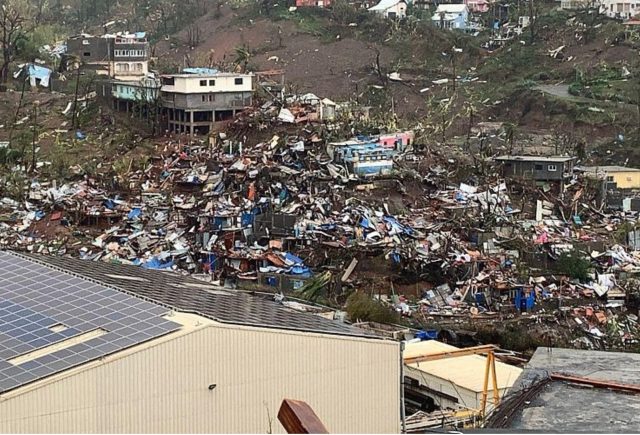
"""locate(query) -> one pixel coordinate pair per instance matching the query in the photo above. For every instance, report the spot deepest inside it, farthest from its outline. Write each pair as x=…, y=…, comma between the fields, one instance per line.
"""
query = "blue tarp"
x=134, y=213
x=156, y=263
x=39, y=73
x=218, y=222
x=80, y=135
x=429, y=334
x=522, y=302
x=247, y=219
x=108, y=203
x=398, y=226
x=212, y=261
x=290, y=258
x=199, y=70
x=396, y=257
x=300, y=270
x=283, y=194
x=272, y=281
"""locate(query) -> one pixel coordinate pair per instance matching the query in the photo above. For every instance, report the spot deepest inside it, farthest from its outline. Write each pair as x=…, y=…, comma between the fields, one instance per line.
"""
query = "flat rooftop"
x=207, y=75
x=550, y=159
x=561, y=407
x=608, y=169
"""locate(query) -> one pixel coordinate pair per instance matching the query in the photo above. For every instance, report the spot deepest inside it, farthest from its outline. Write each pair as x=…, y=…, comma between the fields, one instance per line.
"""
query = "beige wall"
x=352, y=384
x=626, y=180
x=467, y=399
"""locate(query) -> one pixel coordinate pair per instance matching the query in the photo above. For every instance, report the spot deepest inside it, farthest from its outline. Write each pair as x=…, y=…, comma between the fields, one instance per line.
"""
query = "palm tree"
x=509, y=129
x=242, y=57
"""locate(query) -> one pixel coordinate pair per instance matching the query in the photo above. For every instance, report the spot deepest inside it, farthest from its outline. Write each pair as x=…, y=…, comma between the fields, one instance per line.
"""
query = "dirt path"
x=562, y=91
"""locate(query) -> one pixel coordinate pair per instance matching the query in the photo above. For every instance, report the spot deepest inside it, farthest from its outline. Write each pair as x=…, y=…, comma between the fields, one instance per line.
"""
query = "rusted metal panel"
x=631, y=388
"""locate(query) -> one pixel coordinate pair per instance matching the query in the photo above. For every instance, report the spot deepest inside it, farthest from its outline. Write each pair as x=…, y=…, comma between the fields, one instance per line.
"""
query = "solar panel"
x=34, y=298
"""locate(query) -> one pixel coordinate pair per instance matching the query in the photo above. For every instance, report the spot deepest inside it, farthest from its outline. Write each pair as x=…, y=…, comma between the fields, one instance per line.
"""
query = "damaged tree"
x=193, y=36
x=12, y=21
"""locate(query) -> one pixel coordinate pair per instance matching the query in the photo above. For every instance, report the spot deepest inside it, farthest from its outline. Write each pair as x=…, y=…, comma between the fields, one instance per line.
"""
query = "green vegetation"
x=605, y=83
x=574, y=266
x=315, y=288
x=361, y=307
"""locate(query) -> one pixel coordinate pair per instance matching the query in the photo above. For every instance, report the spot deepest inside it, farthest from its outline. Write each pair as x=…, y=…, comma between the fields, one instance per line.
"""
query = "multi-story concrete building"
x=119, y=56
x=198, y=97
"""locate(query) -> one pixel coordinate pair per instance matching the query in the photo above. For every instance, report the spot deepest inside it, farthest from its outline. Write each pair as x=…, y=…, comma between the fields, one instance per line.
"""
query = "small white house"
x=391, y=8
x=451, y=16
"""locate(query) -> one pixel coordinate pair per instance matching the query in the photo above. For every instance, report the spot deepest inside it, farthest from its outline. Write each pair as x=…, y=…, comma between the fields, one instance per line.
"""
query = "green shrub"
x=361, y=307
x=574, y=266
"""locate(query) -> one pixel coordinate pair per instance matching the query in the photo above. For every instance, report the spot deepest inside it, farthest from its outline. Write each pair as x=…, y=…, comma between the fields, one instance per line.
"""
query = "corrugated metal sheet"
x=351, y=383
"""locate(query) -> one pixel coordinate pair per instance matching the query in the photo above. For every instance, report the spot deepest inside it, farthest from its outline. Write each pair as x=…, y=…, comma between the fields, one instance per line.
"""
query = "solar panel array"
x=41, y=306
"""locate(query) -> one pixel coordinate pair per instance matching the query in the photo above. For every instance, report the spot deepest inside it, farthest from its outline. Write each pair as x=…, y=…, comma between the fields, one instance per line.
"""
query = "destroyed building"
x=120, y=56
x=616, y=177
x=139, y=94
x=555, y=170
x=390, y=8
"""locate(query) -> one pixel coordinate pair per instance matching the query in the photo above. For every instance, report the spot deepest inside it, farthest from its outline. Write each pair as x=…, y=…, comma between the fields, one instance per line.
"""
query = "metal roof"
x=607, y=169
x=464, y=371
x=562, y=408
x=182, y=293
x=551, y=159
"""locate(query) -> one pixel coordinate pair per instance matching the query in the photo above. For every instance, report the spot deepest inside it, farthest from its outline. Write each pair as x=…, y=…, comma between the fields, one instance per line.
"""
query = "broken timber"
x=630, y=388
x=297, y=416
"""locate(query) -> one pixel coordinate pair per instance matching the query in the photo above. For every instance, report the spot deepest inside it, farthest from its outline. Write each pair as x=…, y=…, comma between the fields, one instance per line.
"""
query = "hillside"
x=584, y=93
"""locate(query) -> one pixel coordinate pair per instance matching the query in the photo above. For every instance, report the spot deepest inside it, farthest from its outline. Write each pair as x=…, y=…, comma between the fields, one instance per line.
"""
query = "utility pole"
x=35, y=135
x=75, y=100
x=15, y=117
x=453, y=63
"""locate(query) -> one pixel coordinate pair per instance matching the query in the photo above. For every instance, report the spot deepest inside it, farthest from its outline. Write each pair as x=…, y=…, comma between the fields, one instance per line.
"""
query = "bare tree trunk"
x=532, y=18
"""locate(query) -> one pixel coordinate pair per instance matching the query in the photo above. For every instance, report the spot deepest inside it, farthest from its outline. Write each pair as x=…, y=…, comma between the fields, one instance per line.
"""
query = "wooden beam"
x=297, y=416
x=450, y=354
x=631, y=388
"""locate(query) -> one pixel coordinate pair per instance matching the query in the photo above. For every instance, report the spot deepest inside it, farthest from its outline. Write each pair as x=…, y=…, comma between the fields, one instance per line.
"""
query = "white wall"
x=223, y=83
x=624, y=9
x=128, y=69
x=352, y=384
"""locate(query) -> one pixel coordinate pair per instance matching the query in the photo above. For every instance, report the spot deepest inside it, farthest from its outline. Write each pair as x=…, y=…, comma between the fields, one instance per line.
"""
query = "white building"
x=391, y=8
x=457, y=382
x=122, y=56
x=91, y=347
x=621, y=9
x=451, y=16
x=199, y=97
